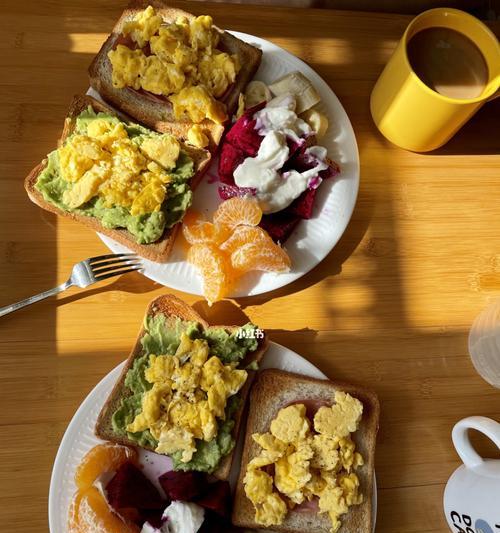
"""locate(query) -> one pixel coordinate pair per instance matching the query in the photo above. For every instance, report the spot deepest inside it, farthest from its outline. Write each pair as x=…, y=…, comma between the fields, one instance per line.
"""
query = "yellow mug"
x=408, y=112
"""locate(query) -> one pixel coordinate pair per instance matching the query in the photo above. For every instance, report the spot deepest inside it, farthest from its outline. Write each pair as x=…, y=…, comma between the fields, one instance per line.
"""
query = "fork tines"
x=107, y=266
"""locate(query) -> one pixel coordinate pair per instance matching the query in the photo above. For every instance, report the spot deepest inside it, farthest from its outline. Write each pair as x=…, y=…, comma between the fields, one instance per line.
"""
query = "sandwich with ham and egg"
x=173, y=71
x=308, y=456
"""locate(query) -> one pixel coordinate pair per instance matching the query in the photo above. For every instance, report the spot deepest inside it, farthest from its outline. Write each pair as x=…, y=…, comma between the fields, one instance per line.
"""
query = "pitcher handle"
x=461, y=441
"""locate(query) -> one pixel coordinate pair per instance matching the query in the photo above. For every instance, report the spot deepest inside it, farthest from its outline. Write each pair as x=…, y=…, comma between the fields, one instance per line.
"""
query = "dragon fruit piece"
x=183, y=486
x=214, y=523
x=279, y=225
x=129, y=487
x=243, y=134
x=303, y=206
x=217, y=498
x=154, y=518
x=314, y=182
x=330, y=172
x=230, y=191
x=229, y=158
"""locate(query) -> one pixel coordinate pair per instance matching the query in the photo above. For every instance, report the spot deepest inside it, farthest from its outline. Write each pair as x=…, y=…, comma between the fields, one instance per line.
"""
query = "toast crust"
x=274, y=389
x=155, y=113
x=173, y=307
x=157, y=251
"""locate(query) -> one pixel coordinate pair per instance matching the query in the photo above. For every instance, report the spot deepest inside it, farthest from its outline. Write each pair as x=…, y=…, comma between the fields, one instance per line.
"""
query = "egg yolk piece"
x=144, y=25
x=341, y=418
x=195, y=104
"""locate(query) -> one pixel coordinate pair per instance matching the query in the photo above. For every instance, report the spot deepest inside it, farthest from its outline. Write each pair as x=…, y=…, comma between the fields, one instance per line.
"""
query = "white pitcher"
x=472, y=494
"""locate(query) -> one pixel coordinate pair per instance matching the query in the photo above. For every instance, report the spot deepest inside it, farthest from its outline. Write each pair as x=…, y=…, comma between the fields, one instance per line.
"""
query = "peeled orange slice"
x=243, y=235
x=90, y=513
x=206, y=232
x=236, y=211
x=260, y=256
x=102, y=458
x=214, y=268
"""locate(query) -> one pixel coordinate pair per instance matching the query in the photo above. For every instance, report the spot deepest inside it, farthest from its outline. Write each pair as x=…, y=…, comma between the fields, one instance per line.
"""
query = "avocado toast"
x=169, y=325
x=154, y=232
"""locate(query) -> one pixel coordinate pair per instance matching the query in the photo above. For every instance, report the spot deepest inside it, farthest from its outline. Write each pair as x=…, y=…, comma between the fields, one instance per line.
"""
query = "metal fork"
x=85, y=273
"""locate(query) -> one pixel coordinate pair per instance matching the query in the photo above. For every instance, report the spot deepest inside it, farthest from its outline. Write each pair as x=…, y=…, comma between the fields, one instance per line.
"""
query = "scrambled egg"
x=196, y=137
x=189, y=393
x=106, y=163
x=308, y=462
x=181, y=63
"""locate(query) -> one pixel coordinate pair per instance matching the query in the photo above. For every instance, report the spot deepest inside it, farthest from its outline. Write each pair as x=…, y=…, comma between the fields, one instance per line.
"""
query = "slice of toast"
x=275, y=389
x=173, y=308
x=157, y=113
x=156, y=251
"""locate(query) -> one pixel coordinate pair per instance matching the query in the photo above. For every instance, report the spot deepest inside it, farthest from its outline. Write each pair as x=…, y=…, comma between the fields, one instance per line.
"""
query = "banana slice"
x=255, y=93
x=241, y=106
x=317, y=121
x=298, y=85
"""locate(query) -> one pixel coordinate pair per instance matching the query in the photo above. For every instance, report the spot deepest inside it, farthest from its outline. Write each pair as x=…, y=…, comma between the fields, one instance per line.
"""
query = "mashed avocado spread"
x=163, y=336
x=123, y=174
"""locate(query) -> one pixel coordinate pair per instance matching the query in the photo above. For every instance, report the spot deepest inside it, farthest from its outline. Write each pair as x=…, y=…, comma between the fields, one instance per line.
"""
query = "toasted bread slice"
x=275, y=389
x=156, y=112
x=156, y=251
x=173, y=308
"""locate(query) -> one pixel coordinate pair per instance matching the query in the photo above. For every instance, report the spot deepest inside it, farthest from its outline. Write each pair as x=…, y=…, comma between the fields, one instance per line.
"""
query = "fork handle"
x=36, y=298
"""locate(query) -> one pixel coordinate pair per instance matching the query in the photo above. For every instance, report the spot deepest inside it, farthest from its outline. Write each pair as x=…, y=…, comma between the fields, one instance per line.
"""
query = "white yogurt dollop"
x=184, y=517
x=181, y=517
x=274, y=190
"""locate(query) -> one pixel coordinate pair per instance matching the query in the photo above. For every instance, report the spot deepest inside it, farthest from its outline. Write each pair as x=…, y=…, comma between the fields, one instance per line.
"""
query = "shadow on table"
x=479, y=136
x=133, y=283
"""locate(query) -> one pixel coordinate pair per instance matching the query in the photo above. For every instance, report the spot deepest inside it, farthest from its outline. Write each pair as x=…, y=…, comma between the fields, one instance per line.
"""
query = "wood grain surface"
x=389, y=308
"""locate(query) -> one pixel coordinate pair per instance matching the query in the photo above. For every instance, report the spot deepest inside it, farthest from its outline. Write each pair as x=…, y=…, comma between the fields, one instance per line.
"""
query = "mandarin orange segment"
x=206, y=232
x=102, y=458
x=214, y=269
x=243, y=235
x=236, y=211
x=93, y=515
x=259, y=256
x=73, y=524
x=191, y=217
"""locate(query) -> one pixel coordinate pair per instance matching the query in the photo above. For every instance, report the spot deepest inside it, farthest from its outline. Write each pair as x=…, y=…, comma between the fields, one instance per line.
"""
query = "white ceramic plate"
x=79, y=437
x=313, y=239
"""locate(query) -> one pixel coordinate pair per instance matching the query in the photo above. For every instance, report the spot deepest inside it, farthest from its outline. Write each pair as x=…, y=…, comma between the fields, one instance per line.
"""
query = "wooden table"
x=389, y=308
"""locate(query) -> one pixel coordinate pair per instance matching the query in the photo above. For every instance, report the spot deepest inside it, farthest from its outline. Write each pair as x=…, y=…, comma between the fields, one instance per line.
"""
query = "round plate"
x=312, y=239
x=79, y=437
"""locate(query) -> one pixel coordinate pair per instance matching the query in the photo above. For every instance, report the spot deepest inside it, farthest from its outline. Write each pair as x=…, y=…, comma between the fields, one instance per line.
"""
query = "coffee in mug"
x=446, y=66
x=448, y=62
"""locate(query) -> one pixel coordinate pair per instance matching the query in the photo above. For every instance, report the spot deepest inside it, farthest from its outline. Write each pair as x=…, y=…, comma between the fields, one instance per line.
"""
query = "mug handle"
x=461, y=441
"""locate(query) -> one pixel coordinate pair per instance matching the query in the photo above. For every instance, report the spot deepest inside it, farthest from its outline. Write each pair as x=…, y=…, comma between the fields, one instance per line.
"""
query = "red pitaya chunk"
x=279, y=225
x=184, y=486
x=217, y=498
x=243, y=134
x=330, y=172
x=129, y=487
x=229, y=158
x=153, y=517
x=303, y=206
x=214, y=523
x=230, y=191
